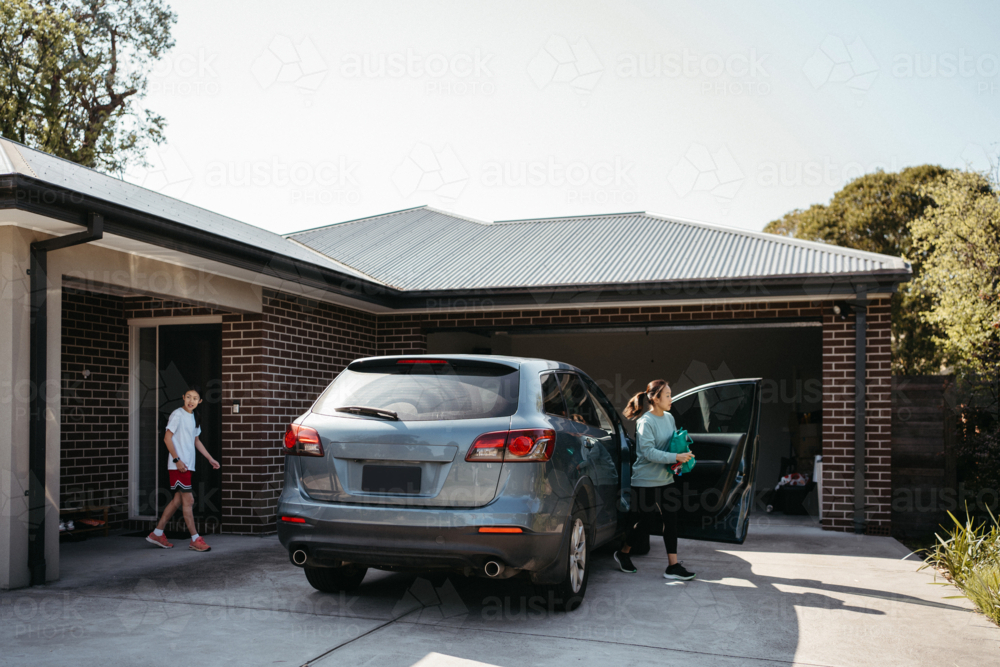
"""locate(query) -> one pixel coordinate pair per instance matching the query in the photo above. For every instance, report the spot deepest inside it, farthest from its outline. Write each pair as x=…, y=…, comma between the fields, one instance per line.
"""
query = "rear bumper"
x=421, y=538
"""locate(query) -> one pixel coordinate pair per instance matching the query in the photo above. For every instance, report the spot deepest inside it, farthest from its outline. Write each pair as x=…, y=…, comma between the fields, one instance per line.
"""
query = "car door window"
x=723, y=409
x=552, y=397
x=605, y=411
x=581, y=408
x=603, y=418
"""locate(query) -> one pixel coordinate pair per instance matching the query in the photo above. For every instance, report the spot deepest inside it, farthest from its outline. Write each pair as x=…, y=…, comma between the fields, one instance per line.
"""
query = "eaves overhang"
x=36, y=196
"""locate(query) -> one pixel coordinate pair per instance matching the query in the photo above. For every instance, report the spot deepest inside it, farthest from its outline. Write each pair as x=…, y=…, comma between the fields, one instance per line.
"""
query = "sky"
x=300, y=114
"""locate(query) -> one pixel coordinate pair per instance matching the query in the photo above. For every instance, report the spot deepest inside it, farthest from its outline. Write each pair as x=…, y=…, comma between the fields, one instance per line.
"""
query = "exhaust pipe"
x=493, y=569
x=299, y=557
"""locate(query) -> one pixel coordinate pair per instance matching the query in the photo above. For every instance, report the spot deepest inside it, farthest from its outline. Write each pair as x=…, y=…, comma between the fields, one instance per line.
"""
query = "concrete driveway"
x=792, y=594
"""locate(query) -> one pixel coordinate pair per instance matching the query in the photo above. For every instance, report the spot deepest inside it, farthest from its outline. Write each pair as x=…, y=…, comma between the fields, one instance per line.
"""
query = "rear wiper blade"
x=369, y=412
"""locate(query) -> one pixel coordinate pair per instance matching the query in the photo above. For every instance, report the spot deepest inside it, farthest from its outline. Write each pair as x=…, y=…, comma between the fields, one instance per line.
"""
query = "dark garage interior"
x=787, y=356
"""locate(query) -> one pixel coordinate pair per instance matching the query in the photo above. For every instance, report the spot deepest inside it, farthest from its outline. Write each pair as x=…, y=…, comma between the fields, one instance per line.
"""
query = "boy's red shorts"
x=180, y=481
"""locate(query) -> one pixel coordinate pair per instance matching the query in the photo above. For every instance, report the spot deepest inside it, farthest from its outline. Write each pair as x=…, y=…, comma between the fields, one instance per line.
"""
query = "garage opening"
x=788, y=356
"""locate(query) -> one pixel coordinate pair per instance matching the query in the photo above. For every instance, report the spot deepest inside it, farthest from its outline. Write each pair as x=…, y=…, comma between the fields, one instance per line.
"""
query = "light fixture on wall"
x=842, y=309
x=86, y=373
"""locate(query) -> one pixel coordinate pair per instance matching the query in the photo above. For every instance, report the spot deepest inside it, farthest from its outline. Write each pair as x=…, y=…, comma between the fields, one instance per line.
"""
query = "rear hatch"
x=396, y=432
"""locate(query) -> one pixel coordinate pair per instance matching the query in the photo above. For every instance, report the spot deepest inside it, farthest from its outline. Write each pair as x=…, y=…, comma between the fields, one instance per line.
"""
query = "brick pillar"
x=838, y=420
x=243, y=443
x=878, y=409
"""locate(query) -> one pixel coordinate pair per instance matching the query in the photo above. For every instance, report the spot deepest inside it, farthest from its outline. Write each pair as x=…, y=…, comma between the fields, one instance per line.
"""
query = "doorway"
x=167, y=360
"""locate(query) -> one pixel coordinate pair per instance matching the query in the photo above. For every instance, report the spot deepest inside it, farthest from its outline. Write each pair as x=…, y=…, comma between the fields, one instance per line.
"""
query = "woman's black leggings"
x=656, y=508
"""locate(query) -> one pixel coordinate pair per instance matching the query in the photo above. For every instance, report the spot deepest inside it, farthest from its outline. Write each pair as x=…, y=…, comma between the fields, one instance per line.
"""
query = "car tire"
x=568, y=594
x=336, y=579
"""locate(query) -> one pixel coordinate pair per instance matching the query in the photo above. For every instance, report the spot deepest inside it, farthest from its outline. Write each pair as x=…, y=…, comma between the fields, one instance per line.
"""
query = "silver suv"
x=492, y=466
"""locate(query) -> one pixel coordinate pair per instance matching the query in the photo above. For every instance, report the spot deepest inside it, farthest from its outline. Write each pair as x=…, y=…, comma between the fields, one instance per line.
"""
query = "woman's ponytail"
x=635, y=406
x=638, y=402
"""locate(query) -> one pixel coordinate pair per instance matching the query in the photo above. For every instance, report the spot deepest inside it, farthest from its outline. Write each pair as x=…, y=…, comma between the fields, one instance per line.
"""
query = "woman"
x=654, y=495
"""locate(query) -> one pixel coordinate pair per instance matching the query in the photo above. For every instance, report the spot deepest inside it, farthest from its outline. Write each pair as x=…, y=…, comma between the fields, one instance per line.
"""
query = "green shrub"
x=983, y=588
x=969, y=557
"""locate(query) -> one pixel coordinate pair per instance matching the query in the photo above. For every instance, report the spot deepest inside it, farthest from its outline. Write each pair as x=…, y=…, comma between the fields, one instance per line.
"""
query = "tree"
x=874, y=213
x=73, y=73
x=959, y=239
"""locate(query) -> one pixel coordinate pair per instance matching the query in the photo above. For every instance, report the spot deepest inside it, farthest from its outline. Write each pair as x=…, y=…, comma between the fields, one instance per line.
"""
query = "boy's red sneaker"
x=199, y=545
x=160, y=541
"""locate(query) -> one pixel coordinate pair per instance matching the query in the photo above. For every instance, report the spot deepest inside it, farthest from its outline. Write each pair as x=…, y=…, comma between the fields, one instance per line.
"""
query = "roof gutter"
x=38, y=360
x=808, y=286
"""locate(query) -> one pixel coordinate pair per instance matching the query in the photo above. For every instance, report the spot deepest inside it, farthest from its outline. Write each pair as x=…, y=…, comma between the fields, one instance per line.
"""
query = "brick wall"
x=276, y=364
x=147, y=306
x=838, y=420
x=94, y=452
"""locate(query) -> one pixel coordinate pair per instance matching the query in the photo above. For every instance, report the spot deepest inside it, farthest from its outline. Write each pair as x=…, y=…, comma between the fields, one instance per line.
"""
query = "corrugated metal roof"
x=426, y=249
x=423, y=248
x=16, y=158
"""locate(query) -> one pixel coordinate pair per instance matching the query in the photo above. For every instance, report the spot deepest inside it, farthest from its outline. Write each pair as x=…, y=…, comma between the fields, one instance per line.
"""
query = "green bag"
x=679, y=444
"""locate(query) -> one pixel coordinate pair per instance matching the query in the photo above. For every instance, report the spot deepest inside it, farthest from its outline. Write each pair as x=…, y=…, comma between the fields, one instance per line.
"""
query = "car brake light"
x=293, y=519
x=421, y=361
x=534, y=444
x=488, y=447
x=302, y=441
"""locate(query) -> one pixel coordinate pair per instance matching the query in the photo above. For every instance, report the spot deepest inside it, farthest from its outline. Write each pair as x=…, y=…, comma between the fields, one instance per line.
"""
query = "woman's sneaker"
x=677, y=571
x=624, y=562
x=160, y=541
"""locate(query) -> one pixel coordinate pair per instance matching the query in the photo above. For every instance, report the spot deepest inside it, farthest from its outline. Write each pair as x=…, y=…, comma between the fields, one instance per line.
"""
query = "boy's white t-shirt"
x=181, y=424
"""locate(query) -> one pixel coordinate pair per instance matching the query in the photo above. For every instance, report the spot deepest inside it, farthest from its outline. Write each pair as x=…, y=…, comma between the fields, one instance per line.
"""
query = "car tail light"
x=302, y=441
x=534, y=444
x=488, y=447
x=293, y=519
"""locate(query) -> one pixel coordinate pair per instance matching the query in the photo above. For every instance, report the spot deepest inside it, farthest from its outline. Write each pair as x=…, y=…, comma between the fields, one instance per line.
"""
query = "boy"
x=182, y=440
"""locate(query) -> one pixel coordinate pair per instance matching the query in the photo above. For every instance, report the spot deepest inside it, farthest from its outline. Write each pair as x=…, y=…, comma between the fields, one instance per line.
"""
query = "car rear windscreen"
x=424, y=390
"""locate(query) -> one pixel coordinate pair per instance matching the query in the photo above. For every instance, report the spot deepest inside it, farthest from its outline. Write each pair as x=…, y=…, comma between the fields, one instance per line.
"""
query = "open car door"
x=723, y=419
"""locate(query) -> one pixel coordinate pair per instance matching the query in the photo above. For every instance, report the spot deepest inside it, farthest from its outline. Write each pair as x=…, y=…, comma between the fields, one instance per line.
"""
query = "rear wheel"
x=336, y=579
x=568, y=594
